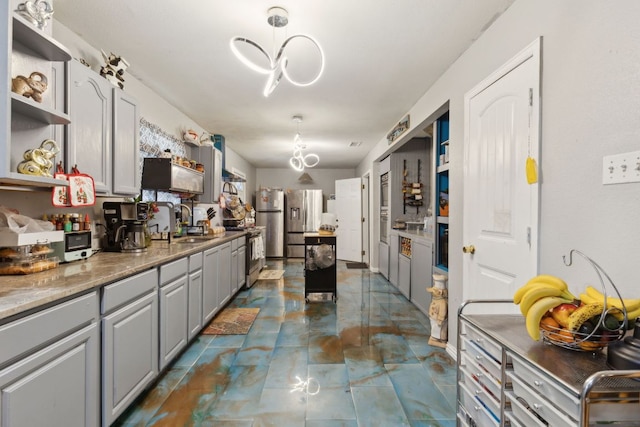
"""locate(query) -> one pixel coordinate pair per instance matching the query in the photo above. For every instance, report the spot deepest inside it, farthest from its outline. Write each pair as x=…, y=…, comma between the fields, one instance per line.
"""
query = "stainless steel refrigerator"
x=304, y=213
x=270, y=214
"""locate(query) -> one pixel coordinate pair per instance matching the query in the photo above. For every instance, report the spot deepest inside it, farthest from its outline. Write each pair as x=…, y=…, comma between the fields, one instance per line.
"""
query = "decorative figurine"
x=37, y=12
x=38, y=161
x=31, y=87
x=114, y=69
x=438, y=312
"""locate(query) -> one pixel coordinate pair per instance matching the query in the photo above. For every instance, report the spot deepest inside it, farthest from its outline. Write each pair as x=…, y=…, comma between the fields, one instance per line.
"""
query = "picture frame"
x=399, y=129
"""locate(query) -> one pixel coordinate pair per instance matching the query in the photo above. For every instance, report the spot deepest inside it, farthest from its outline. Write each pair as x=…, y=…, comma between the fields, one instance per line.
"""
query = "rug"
x=357, y=265
x=232, y=321
x=271, y=275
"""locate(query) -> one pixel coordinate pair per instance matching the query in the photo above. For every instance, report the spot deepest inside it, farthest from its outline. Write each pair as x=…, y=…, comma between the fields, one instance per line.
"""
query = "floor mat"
x=271, y=275
x=232, y=321
x=357, y=265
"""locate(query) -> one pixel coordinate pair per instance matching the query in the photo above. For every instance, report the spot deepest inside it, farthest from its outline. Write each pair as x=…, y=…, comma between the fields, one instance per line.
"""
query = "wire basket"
x=603, y=332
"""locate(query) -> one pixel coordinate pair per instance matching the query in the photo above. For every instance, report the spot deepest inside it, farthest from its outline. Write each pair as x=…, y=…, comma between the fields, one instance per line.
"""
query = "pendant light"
x=277, y=18
x=299, y=161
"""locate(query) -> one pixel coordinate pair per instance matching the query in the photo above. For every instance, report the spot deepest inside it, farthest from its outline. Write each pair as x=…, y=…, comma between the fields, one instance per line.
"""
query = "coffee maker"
x=125, y=224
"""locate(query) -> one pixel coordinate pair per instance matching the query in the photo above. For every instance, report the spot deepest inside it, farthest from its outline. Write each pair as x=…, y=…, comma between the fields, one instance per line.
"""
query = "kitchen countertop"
x=23, y=293
x=419, y=234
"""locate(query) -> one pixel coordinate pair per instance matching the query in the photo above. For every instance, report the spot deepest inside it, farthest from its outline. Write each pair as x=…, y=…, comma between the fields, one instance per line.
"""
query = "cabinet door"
x=173, y=319
x=242, y=266
x=404, y=276
x=126, y=147
x=130, y=354
x=56, y=386
x=89, y=134
x=195, y=303
x=383, y=259
x=394, y=252
x=211, y=159
x=210, y=283
x=233, y=281
x=421, y=273
x=224, y=275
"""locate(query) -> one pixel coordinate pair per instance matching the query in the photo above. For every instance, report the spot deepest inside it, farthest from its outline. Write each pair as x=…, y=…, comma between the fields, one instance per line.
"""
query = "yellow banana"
x=536, y=293
x=584, y=313
x=631, y=316
x=588, y=299
x=541, y=280
x=537, y=311
x=630, y=304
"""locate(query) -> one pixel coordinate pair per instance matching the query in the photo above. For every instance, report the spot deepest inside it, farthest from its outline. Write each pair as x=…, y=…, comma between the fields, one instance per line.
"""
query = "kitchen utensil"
x=625, y=354
x=211, y=213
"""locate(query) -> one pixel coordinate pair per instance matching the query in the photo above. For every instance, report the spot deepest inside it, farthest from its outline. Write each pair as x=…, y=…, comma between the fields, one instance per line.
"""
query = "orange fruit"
x=564, y=335
x=589, y=345
x=549, y=324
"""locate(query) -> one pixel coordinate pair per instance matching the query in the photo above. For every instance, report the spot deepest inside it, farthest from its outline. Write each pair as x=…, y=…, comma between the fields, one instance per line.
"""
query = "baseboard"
x=452, y=351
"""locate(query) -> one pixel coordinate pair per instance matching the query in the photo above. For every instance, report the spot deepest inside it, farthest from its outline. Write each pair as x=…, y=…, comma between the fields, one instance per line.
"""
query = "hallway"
x=363, y=361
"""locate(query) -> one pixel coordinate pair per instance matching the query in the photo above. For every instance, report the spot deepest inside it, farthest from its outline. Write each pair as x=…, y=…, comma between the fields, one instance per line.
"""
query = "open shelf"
x=30, y=108
x=39, y=42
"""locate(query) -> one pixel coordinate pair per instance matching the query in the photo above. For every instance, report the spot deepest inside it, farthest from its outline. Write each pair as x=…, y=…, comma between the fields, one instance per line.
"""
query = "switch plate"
x=621, y=168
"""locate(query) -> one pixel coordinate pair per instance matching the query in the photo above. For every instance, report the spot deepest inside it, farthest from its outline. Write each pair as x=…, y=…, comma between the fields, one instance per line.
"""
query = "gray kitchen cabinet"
x=174, y=309
x=102, y=140
x=129, y=341
x=421, y=273
x=234, y=267
x=49, y=375
x=211, y=159
x=404, y=275
x=224, y=275
x=126, y=145
x=394, y=253
x=194, y=322
x=242, y=264
x=383, y=259
x=210, y=283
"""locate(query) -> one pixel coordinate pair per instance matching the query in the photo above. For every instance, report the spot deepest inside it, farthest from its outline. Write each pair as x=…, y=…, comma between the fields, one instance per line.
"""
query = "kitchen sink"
x=192, y=239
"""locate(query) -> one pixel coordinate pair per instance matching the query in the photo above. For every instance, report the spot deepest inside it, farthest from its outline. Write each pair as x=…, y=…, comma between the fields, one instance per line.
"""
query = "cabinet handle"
x=537, y=406
x=479, y=374
x=538, y=383
x=478, y=357
x=478, y=392
x=477, y=408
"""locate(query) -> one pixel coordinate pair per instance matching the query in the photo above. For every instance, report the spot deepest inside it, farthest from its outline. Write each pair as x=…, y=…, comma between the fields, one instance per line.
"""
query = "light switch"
x=621, y=168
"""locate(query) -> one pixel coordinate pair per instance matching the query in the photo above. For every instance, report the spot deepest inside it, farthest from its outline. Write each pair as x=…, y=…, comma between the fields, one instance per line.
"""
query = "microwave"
x=74, y=246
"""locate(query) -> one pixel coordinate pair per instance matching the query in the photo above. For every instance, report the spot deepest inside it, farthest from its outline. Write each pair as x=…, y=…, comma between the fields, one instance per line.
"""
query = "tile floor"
x=363, y=361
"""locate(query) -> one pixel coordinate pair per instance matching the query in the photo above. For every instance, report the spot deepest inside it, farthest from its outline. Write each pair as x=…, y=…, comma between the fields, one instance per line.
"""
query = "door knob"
x=469, y=249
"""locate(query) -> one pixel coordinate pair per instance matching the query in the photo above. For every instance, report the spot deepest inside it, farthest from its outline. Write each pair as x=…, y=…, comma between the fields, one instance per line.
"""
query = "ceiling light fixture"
x=299, y=161
x=277, y=18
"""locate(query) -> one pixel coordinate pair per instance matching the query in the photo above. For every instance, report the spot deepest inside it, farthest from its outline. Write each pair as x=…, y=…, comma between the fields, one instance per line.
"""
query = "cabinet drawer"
x=119, y=293
x=171, y=271
x=38, y=329
x=481, y=393
x=544, y=386
x=521, y=415
x=483, y=341
x=473, y=406
x=482, y=359
x=479, y=376
x=538, y=404
x=195, y=262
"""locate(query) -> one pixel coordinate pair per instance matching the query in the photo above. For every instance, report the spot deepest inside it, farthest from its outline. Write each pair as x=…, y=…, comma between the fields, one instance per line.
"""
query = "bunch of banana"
x=592, y=295
x=538, y=296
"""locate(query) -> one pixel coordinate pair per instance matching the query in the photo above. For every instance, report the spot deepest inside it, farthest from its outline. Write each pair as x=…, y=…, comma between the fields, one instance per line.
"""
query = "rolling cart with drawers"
x=319, y=280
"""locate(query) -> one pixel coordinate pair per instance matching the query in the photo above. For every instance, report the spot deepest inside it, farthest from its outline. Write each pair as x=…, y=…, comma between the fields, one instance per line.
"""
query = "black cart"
x=317, y=279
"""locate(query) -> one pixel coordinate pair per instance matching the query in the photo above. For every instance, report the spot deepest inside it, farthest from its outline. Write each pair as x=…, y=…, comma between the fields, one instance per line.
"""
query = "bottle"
x=75, y=222
x=59, y=225
x=66, y=224
x=87, y=222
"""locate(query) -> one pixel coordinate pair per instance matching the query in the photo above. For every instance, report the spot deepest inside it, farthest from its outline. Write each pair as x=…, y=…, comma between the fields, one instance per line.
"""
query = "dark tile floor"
x=363, y=361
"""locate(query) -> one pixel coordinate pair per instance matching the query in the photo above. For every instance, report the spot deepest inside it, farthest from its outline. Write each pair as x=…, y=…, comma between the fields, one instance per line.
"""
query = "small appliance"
x=125, y=224
x=75, y=245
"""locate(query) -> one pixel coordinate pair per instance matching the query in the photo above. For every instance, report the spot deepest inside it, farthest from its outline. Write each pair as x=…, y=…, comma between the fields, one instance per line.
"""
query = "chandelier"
x=277, y=18
x=299, y=161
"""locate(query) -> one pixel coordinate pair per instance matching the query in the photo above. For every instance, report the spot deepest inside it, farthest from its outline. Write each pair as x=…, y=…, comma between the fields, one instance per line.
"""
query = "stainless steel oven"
x=384, y=224
x=255, y=254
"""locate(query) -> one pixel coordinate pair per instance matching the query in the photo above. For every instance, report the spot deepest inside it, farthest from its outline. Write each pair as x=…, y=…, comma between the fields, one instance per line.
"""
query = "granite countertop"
x=24, y=293
x=414, y=234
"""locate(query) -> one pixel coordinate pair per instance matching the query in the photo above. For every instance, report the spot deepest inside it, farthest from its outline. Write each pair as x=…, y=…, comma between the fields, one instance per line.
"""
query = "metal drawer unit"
x=539, y=384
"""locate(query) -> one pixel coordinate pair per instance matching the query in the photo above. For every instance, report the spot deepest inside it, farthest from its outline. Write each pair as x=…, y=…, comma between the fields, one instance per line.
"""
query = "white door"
x=349, y=216
x=500, y=207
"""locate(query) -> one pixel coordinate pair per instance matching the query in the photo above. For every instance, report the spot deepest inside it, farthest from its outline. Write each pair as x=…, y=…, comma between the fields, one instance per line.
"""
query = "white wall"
x=590, y=104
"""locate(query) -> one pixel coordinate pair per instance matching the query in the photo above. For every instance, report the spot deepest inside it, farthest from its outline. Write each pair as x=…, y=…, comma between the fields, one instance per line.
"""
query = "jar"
x=75, y=222
x=199, y=167
x=66, y=223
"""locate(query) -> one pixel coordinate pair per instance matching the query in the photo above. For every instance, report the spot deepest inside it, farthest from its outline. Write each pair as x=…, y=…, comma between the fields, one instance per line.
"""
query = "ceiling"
x=381, y=57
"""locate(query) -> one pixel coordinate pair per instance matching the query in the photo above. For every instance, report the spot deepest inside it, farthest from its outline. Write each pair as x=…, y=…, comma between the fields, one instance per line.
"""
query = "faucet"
x=183, y=206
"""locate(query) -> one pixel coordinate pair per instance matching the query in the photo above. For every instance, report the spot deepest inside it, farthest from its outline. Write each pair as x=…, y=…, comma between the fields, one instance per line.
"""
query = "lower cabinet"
x=383, y=259
x=194, y=322
x=421, y=273
x=210, y=283
x=224, y=274
x=394, y=250
x=234, y=267
x=56, y=384
x=129, y=341
x=174, y=313
x=242, y=264
x=404, y=275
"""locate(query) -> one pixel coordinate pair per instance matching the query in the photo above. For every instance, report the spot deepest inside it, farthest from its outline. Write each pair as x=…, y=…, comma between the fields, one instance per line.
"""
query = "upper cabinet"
x=25, y=122
x=103, y=137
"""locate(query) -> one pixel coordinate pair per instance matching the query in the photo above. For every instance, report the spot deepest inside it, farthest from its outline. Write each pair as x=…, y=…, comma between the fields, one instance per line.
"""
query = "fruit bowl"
x=592, y=341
